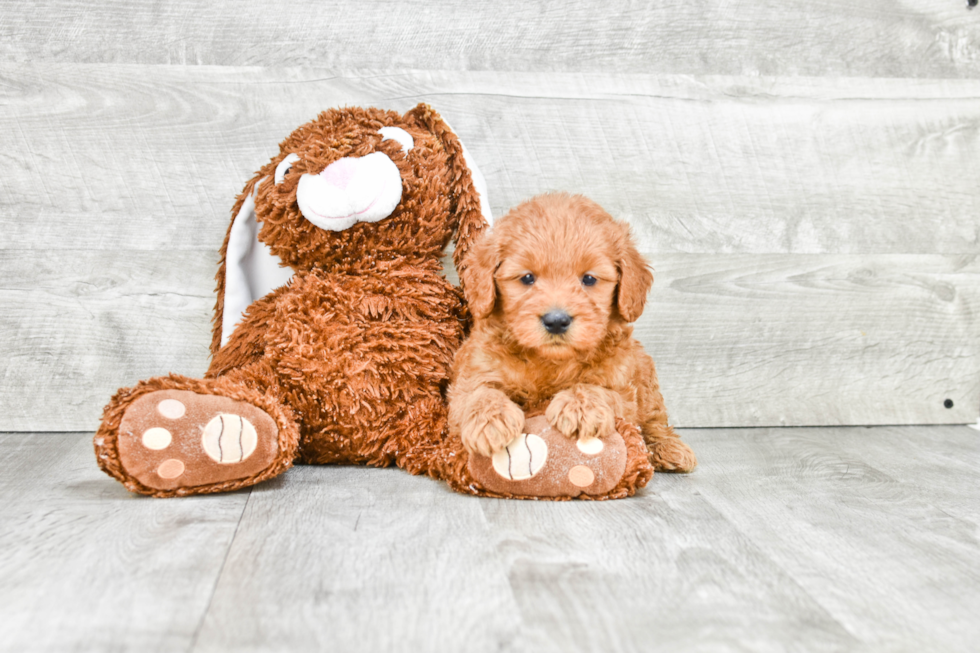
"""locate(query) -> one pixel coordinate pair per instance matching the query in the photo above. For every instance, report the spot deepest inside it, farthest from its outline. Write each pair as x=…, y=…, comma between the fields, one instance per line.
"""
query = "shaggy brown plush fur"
x=350, y=359
x=559, y=253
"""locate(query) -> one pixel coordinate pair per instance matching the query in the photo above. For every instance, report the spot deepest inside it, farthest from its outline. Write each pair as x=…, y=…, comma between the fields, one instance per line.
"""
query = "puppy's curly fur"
x=555, y=258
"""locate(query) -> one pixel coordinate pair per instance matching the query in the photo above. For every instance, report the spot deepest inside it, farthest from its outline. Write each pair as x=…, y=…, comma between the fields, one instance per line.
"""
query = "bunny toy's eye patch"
x=284, y=167
x=397, y=134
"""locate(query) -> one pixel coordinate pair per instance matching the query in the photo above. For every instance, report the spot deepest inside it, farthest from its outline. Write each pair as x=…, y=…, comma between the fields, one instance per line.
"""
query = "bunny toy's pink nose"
x=350, y=190
x=340, y=173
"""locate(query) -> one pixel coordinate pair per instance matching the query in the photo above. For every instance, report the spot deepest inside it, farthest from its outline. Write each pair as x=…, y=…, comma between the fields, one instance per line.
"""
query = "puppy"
x=552, y=289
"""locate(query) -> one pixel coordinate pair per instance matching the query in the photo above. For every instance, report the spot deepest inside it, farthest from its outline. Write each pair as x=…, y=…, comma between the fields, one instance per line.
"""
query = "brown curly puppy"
x=552, y=289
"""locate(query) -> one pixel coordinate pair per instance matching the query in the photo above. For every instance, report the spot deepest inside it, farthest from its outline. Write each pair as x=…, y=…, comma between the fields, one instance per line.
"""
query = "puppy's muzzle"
x=556, y=322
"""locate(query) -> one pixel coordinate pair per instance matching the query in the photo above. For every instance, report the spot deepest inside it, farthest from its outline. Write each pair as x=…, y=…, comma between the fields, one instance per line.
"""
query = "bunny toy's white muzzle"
x=350, y=190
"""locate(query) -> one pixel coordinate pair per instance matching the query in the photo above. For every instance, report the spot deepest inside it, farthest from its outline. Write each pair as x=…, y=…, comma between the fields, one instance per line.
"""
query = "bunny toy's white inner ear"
x=252, y=271
x=479, y=183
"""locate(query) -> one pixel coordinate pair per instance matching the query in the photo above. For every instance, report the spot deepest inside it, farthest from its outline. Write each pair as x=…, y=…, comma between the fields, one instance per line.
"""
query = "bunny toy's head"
x=351, y=188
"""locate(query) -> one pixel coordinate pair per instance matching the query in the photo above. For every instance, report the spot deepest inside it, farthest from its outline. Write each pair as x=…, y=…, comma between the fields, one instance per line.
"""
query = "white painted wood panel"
x=138, y=157
x=665, y=572
x=824, y=492
x=740, y=340
x=800, y=340
x=87, y=566
x=813, y=237
x=508, y=575
x=78, y=325
x=333, y=558
x=858, y=539
x=886, y=38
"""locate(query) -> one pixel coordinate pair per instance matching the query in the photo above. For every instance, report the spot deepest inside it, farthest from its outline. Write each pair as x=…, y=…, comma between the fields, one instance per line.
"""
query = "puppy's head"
x=556, y=271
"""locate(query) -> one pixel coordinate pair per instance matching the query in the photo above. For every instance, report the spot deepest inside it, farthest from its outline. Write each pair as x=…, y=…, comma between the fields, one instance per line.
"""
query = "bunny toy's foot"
x=171, y=440
x=543, y=463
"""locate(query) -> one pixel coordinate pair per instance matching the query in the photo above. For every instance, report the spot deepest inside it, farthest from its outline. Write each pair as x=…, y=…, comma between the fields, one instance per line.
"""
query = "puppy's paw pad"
x=171, y=408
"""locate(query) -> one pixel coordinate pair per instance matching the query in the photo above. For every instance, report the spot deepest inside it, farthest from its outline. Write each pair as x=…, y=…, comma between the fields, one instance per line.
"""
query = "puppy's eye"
x=528, y=279
x=284, y=167
x=589, y=280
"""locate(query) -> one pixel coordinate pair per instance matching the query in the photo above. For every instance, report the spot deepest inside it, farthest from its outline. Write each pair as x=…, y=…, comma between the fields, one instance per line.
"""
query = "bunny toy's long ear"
x=471, y=207
x=248, y=270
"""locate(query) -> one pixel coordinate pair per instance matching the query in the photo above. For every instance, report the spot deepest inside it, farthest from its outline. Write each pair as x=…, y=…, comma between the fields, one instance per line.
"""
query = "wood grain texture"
x=794, y=490
x=144, y=157
x=795, y=340
x=739, y=340
x=940, y=467
x=773, y=210
x=822, y=539
x=665, y=572
x=343, y=558
x=77, y=325
x=886, y=38
x=87, y=566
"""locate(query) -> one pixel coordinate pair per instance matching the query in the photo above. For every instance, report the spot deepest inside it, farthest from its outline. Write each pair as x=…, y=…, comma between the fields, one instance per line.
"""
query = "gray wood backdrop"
x=804, y=176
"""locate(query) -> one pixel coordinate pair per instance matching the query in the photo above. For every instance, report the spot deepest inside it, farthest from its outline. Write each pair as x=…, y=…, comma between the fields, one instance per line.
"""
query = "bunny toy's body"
x=334, y=331
x=363, y=366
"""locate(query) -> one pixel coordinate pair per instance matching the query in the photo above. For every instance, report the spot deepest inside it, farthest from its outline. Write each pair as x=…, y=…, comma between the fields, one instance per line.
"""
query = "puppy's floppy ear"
x=476, y=276
x=635, y=279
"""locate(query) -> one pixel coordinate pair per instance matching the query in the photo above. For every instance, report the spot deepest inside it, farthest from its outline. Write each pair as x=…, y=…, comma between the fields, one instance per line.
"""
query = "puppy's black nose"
x=556, y=321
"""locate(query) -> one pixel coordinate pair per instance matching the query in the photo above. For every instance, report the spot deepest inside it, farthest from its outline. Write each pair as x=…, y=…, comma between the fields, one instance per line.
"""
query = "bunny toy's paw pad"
x=173, y=439
x=541, y=462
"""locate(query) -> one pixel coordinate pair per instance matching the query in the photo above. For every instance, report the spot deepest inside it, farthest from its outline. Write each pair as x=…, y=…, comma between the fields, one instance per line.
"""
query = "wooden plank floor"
x=816, y=539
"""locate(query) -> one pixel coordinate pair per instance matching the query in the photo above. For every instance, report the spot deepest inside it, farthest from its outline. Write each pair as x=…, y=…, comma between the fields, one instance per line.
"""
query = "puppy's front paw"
x=672, y=455
x=492, y=425
x=581, y=413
